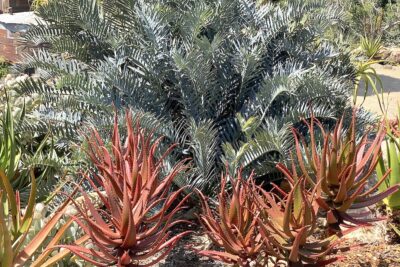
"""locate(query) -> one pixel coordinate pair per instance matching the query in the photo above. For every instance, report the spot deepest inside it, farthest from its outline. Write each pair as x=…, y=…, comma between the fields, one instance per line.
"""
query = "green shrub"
x=370, y=47
x=371, y=19
x=225, y=79
x=35, y=4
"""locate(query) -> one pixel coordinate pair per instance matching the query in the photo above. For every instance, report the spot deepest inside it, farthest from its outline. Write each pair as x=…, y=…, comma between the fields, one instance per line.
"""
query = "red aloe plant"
x=252, y=227
x=288, y=224
x=139, y=207
x=233, y=227
x=340, y=172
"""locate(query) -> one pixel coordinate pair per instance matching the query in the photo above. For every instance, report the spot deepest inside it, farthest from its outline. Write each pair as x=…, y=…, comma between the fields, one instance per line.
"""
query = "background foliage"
x=224, y=79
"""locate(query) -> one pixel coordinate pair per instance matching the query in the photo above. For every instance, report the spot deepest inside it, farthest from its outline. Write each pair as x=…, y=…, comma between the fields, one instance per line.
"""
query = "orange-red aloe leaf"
x=133, y=188
x=111, y=179
x=376, y=198
x=40, y=237
x=282, y=168
x=97, y=238
x=38, y=240
x=375, y=187
x=42, y=258
x=364, y=222
x=288, y=211
x=294, y=253
x=332, y=177
x=126, y=222
x=234, y=204
x=168, y=245
x=103, y=229
x=341, y=195
x=221, y=256
x=350, y=200
x=99, y=234
x=84, y=253
x=93, y=212
x=300, y=159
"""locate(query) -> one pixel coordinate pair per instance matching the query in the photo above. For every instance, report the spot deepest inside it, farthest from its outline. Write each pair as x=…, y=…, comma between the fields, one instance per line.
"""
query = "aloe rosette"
x=133, y=227
x=340, y=172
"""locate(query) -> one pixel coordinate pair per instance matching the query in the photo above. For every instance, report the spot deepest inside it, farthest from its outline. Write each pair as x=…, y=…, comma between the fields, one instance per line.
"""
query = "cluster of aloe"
x=254, y=227
x=128, y=225
x=128, y=217
x=258, y=228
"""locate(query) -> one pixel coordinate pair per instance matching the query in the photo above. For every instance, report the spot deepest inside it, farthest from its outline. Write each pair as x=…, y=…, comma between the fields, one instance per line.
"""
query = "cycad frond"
x=193, y=65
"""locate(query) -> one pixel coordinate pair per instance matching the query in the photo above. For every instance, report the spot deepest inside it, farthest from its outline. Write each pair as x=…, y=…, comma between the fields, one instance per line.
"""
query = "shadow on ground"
x=390, y=84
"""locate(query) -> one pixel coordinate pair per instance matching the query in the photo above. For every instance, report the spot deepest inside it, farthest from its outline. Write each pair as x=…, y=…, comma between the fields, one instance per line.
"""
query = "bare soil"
x=368, y=248
x=363, y=255
x=370, y=255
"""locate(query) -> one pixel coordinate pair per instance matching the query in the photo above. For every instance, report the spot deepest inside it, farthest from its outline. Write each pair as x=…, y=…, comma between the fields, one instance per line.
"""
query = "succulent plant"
x=253, y=227
x=233, y=226
x=341, y=171
x=70, y=235
x=287, y=224
x=139, y=207
x=390, y=159
x=16, y=249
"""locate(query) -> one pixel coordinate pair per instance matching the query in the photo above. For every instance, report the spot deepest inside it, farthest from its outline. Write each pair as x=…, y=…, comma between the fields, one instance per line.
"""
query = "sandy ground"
x=390, y=76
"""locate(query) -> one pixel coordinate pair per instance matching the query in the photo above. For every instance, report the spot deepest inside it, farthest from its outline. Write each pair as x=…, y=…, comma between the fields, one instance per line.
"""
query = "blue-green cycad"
x=193, y=65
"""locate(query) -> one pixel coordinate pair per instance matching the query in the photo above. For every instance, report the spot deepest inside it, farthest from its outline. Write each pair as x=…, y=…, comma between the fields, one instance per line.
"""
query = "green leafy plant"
x=35, y=4
x=15, y=249
x=368, y=77
x=22, y=106
x=340, y=171
x=139, y=205
x=20, y=242
x=390, y=160
x=192, y=68
x=17, y=157
x=10, y=152
x=370, y=47
x=374, y=18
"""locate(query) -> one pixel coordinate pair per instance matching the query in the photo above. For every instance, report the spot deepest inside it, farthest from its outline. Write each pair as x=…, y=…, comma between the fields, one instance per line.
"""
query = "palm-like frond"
x=193, y=66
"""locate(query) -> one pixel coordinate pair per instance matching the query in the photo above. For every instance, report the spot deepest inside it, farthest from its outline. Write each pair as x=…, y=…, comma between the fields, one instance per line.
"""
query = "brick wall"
x=9, y=45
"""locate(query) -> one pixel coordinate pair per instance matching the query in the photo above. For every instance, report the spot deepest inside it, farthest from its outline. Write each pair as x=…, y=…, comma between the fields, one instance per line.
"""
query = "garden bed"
x=370, y=255
x=376, y=254
x=200, y=133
